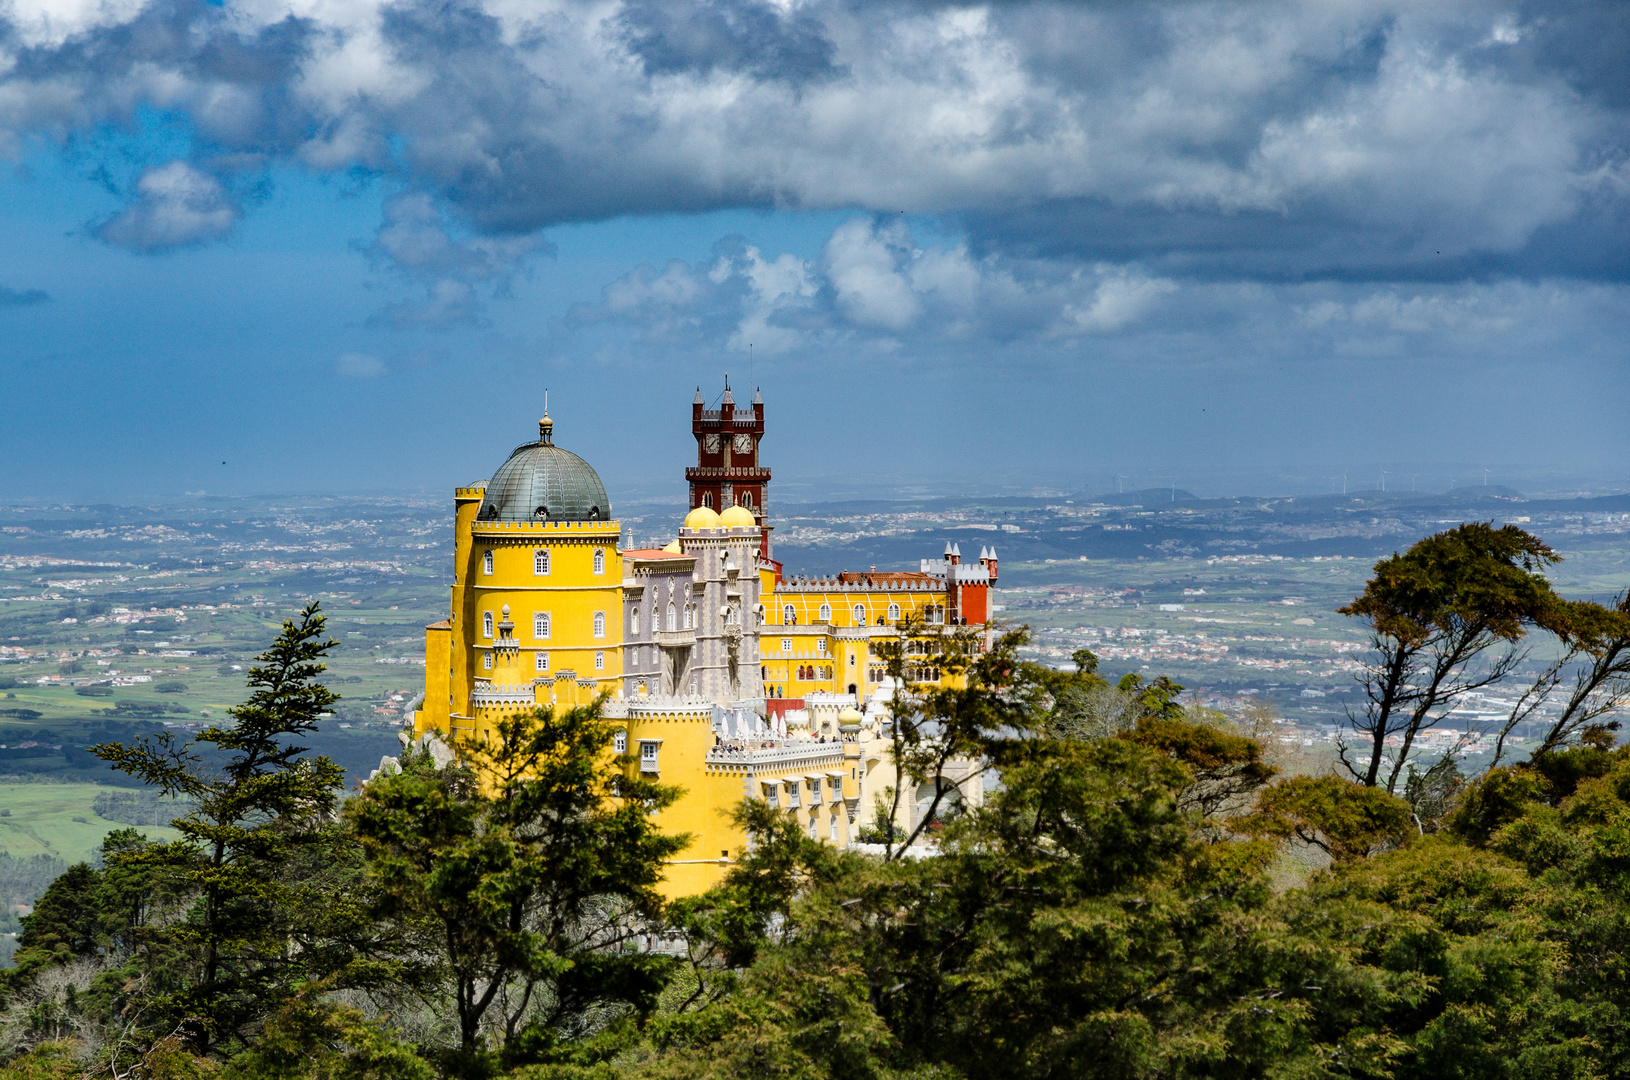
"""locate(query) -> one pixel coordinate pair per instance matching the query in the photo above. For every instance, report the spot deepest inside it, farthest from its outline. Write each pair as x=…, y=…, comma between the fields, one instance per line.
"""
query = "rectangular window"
x=540, y=561
x=599, y=661
x=543, y=661
x=619, y=742
x=634, y=623
x=486, y=661
x=648, y=755
x=599, y=624
x=486, y=562
x=486, y=624
x=540, y=625
x=820, y=646
x=786, y=645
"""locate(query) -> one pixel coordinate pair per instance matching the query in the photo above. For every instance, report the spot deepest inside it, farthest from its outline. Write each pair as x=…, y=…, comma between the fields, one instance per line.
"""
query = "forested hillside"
x=1149, y=890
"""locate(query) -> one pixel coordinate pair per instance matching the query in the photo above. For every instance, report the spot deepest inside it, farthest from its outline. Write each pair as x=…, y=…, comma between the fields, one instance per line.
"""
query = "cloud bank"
x=1370, y=141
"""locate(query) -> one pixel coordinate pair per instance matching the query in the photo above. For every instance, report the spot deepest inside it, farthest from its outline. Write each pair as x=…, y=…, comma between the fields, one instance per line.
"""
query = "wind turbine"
x=1344, y=481
x=1383, y=480
x=1485, y=478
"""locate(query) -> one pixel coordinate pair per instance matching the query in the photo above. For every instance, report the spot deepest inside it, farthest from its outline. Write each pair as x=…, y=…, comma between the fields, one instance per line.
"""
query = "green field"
x=58, y=820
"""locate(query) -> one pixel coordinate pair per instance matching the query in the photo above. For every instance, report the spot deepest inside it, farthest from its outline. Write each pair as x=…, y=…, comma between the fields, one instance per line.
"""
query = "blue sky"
x=344, y=245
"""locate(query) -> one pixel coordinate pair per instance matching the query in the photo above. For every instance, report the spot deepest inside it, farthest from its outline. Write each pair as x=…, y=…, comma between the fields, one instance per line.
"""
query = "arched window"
x=894, y=613
x=540, y=561
x=826, y=612
x=486, y=562
x=673, y=616
x=634, y=622
x=690, y=617
x=789, y=615
x=486, y=623
x=599, y=624
x=543, y=661
x=707, y=499
x=747, y=499
x=599, y=560
x=540, y=624
x=860, y=614
x=599, y=661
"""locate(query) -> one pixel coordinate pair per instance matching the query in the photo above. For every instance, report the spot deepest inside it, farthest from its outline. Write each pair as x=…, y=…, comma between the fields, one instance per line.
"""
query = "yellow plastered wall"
x=579, y=663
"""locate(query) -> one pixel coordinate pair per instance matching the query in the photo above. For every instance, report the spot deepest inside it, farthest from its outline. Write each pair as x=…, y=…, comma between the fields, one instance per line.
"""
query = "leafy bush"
x=94, y=691
x=171, y=686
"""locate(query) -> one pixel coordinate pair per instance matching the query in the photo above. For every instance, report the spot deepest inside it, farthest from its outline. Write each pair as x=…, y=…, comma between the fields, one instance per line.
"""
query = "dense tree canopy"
x=1148, y=891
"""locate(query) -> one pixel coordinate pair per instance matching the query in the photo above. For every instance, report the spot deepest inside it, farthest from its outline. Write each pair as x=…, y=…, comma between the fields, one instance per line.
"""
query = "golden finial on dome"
x=546, y=430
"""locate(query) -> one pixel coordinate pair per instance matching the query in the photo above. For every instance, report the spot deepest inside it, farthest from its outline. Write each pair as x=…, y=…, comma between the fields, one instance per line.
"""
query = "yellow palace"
x=726, y=678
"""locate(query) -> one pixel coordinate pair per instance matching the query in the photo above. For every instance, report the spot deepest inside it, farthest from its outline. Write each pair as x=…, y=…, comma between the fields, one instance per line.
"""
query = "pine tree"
x=259, y=799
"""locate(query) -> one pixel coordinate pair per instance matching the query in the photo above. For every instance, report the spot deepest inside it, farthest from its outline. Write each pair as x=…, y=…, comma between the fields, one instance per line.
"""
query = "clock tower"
x=727, y=472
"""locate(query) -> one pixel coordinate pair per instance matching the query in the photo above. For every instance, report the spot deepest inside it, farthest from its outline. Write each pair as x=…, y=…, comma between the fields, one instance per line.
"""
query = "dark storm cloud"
x=730, y=35
x=1278, y=142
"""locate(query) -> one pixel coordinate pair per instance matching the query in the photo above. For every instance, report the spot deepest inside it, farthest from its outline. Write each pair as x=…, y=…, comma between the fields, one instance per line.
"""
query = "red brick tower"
x=727, y=472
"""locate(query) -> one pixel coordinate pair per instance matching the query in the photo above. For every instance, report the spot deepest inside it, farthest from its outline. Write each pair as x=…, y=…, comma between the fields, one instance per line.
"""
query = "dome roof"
x=849, y=715
x=542, y=482
x=702, y=517
x=673, y=547
x=737, y=517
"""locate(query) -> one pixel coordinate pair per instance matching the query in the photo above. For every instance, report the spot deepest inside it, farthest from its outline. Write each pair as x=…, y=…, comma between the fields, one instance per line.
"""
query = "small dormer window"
x=486, y=562
x=594, y=513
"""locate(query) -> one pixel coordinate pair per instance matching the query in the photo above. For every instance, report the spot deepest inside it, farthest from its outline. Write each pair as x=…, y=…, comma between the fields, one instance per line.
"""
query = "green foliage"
x=94, y=691
x=1433, y=612
x=170, y=686
x=517, y=892
x=258, y=801
x=311, y=1040
x=1075, y=924
x=1346, y=820
x=1224, y=768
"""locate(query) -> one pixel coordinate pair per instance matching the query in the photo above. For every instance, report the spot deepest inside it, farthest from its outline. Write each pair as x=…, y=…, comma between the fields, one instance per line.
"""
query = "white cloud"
x=873, y=282
x=863, y=265
x=1377, y=131
x=176, y=205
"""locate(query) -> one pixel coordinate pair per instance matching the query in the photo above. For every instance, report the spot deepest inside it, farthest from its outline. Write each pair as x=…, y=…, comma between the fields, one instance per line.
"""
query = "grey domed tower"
x=542, y=482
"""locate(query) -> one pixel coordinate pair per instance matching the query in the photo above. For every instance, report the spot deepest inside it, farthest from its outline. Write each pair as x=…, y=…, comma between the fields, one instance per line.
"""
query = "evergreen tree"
x=259, y=799
x=521, y=880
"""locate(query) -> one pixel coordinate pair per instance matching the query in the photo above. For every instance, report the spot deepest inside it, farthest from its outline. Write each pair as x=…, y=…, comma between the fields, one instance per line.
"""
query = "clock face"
x=744, y=444
x=711, y=444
